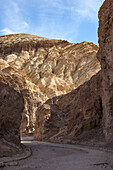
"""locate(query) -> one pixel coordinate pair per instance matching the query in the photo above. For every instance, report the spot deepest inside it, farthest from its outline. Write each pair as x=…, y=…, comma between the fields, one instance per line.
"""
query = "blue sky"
x=71, y=20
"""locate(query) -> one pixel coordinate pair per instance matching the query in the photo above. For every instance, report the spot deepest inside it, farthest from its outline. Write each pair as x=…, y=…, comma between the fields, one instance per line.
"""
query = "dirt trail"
x=49, y=156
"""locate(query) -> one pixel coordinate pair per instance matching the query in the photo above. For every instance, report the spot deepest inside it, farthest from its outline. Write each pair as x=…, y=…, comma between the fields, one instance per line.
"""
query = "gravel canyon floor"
x=51, y=156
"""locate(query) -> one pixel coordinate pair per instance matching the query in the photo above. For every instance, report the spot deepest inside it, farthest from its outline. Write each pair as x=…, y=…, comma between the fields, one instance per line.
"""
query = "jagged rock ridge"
x=55, y=66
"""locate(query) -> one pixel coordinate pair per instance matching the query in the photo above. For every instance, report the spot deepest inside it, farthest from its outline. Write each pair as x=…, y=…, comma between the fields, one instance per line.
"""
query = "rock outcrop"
x=21, y=82
x=93, y=98
x=105, y=55
x=71, y=116
x=11, y=108
x=44, y=68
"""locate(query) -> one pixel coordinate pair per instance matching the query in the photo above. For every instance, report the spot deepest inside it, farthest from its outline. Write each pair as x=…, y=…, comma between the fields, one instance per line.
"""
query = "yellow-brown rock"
x=55, y=66
x=21, y=82
x=45, y=68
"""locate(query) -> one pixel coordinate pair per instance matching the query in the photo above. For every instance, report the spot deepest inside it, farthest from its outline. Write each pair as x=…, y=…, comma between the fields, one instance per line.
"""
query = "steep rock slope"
x=71, y=116
x=43, y=68
x=102, y=92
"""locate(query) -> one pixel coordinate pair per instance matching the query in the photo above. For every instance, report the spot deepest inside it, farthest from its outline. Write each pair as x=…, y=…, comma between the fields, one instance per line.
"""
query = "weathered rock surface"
x=44, y=68
x=39, y=69
x=91, y=102
x=105, y=56
x=21, y=82
x=55, y=66
x=71, y=116
x=11, y=108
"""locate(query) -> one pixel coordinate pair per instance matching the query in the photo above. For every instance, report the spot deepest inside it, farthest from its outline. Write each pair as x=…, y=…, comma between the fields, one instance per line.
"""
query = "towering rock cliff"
x=105, y=56
x=11, y=108
x=44, y=68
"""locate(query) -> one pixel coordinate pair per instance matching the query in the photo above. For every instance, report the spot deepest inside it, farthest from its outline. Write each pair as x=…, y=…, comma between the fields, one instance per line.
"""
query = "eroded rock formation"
x=38, y=69
x=21, y=82
x=67, y=117
x=44, y=68
x=92, y=103
x=105, y=56
x=55, y=66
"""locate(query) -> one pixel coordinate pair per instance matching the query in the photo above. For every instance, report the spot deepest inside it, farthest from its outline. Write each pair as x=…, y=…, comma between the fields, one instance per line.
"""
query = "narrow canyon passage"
x=51, y=156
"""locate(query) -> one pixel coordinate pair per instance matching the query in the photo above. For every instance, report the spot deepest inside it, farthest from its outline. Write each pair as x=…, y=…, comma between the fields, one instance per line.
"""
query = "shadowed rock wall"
x=69, y=116
x=11, y=108
x=92, y=101
x=105, y=55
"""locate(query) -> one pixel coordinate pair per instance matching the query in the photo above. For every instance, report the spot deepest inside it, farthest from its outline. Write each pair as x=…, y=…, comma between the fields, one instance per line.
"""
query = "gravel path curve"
x=49, y=156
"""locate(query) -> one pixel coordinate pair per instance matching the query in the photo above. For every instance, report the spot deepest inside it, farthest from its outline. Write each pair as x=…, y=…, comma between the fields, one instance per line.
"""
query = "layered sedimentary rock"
x=72, y=115
x=105, y=56
x=44, y=68
x=11, y=108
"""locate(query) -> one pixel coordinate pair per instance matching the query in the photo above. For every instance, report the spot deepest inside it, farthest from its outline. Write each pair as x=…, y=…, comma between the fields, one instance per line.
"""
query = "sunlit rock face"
x=55, y=66
x=46, y=68
x=105, y=55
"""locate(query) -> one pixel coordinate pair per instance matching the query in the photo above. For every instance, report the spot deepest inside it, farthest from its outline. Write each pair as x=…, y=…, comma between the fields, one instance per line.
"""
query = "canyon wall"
x=20, y=81
x=11, y=108
x=105, y=55
x=43, y=68
x=82, y=103
x=78, y=96
x=72, y=116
